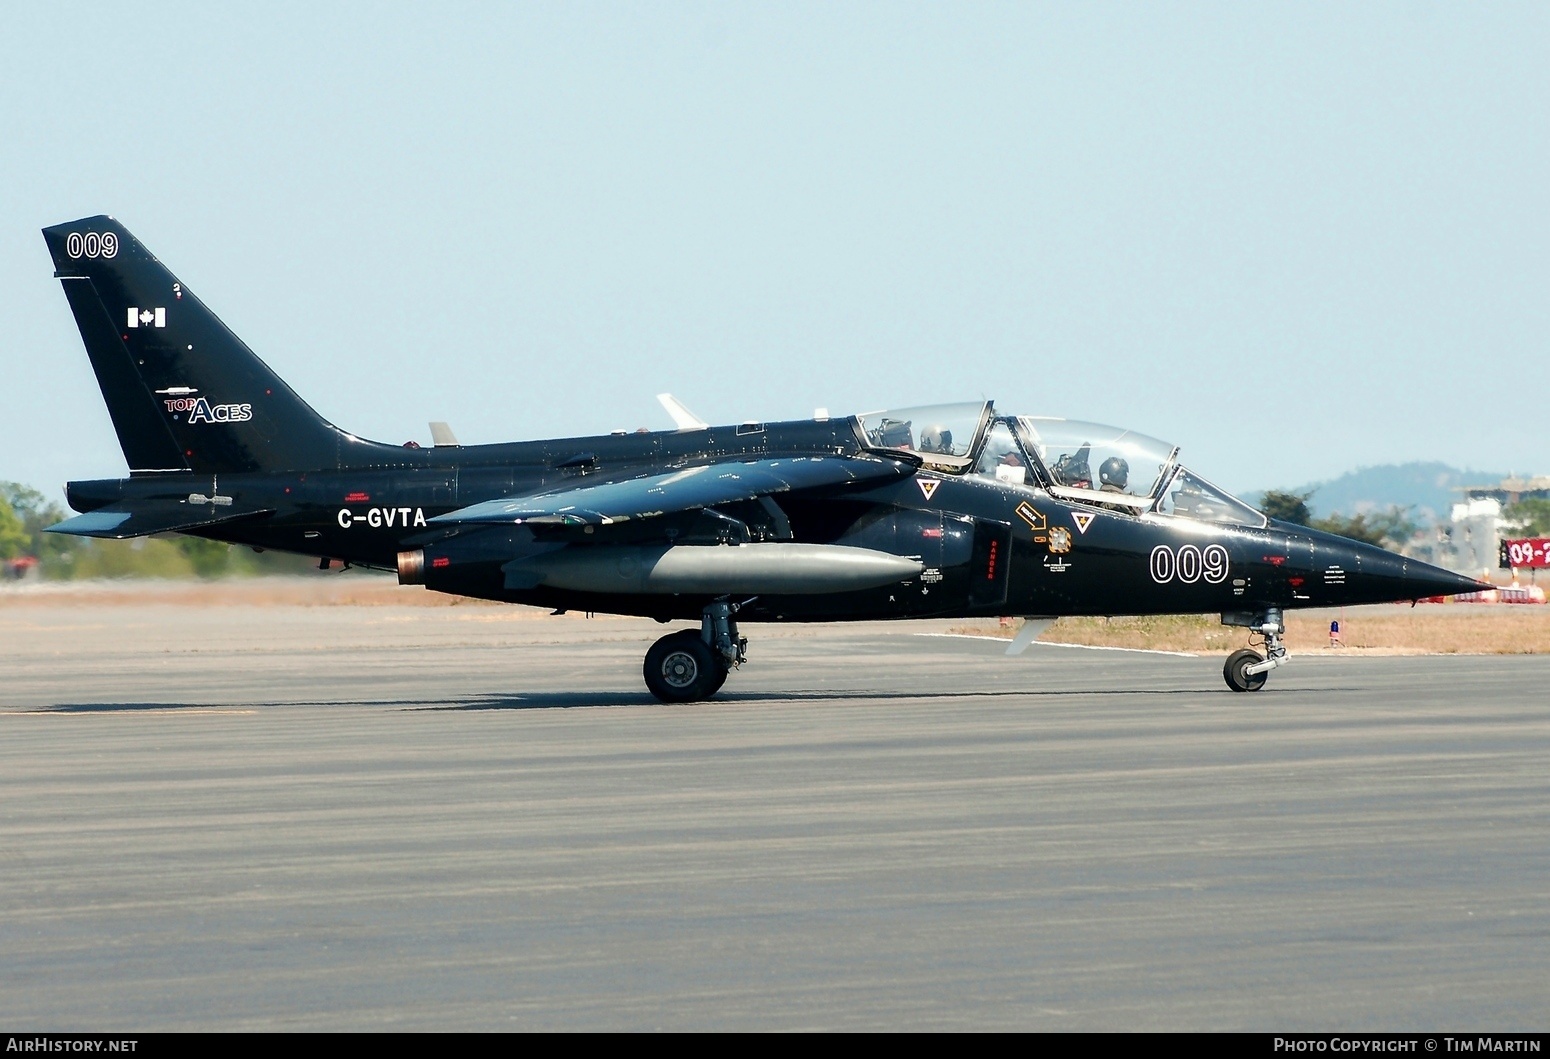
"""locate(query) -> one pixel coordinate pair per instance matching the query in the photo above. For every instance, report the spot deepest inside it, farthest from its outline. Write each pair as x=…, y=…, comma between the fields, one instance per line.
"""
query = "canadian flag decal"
x=139, y=317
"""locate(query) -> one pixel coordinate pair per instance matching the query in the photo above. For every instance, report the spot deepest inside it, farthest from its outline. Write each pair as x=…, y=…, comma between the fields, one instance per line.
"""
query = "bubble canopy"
x=1093, y=456
x=1091, y=463
x=944, y=435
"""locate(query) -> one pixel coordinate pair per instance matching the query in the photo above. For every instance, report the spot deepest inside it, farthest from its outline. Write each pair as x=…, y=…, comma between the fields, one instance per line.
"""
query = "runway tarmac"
x=467, y=818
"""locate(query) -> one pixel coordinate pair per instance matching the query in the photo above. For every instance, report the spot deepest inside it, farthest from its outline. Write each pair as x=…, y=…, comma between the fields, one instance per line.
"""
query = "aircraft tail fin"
x=184, y=392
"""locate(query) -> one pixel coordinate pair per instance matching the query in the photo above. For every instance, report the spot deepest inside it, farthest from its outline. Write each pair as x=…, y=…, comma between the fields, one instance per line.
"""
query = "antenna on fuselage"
x=685, y=419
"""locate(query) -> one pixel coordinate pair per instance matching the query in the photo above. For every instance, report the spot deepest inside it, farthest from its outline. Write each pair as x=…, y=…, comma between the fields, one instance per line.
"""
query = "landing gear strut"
x=1247, y=670
x=691, y=665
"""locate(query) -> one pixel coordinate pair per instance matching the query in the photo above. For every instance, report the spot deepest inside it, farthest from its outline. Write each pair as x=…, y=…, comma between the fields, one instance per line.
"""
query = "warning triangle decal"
x=928, y=486
x=1082, y=520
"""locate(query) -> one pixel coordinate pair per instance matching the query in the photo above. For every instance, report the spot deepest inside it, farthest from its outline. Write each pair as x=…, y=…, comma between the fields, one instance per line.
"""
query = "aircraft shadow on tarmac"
x=570, y=700
x=139, y=707
x=564, y=700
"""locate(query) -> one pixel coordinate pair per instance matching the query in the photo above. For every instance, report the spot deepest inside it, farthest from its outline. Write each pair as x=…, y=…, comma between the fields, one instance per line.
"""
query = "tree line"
x=1394, y=527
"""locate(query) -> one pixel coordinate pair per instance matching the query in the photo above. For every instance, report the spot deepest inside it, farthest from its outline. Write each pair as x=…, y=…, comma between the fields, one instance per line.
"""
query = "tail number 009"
x=91, y=244
x=1189, y=564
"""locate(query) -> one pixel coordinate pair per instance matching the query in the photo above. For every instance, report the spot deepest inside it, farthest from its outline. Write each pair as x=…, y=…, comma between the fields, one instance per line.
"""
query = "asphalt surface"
x=383, y=817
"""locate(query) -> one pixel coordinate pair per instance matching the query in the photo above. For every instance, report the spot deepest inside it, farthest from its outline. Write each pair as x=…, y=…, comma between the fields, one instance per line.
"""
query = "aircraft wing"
x=121, y=521
x=688, y=489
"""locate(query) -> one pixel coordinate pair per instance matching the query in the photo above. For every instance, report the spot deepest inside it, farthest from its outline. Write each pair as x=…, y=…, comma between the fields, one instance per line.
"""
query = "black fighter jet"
x=930, y=512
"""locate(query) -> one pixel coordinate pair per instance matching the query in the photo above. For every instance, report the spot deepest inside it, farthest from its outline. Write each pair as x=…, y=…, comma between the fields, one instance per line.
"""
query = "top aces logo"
x=201, y=410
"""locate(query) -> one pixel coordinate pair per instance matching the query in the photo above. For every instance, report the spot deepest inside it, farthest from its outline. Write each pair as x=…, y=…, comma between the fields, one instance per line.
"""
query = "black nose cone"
x=1386, y=576
x=1427, y=580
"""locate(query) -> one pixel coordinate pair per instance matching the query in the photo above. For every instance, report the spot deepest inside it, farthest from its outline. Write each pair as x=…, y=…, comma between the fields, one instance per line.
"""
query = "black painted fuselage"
x=987, y=547
x=942, y=511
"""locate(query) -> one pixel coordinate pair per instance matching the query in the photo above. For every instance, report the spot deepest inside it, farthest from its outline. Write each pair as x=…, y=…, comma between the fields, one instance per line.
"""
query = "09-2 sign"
x=1530, y=552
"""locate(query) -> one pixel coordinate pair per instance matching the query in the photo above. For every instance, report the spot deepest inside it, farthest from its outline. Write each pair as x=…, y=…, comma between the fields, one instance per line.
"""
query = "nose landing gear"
x=1247, y=670
x=1236, y=671
x=691, y=665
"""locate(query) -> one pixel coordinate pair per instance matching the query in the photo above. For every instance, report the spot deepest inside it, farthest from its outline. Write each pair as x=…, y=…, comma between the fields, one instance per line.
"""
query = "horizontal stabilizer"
x=120, y=522
x=686, y=490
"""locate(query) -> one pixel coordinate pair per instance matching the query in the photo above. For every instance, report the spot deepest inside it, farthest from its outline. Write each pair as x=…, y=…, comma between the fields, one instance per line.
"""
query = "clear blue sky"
x=1294, y=238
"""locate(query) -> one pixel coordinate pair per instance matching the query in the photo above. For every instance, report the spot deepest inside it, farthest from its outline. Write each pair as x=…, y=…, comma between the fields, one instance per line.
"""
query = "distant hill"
x=1429, y=489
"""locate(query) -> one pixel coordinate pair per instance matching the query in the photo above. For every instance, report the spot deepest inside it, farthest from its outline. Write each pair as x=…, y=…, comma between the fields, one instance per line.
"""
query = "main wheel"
x=1234, y=671
x=681, y=667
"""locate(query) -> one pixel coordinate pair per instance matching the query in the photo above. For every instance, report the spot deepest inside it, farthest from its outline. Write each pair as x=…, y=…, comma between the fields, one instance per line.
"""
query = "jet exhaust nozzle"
x=411, y=567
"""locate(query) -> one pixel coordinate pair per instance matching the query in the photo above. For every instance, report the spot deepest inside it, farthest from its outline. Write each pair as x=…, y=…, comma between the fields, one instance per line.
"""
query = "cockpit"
x=1088, y=463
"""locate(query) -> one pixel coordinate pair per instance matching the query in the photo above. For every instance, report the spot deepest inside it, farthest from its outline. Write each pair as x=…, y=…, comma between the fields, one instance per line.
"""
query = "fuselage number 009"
x=1189, y=564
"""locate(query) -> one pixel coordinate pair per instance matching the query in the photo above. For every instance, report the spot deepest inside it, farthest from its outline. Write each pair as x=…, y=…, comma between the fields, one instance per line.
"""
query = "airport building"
x=1471, y=541
x=1511, y=489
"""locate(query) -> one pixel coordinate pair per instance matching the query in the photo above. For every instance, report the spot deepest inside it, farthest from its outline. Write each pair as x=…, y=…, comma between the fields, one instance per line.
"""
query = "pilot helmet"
x=1114, y=471
x=936, y=438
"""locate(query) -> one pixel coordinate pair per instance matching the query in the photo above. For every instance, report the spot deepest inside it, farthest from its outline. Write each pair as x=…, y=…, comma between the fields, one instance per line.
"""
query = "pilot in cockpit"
x=1114, y=475
x=937, y=439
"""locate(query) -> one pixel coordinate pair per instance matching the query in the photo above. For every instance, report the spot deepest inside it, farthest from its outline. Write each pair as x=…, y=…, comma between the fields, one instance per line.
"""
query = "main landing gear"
x=1247, y=670
x=692, y=664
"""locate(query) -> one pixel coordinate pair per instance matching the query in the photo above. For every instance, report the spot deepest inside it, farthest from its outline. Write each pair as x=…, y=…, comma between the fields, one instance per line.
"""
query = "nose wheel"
x=1247, y=670
x=1236, y=671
